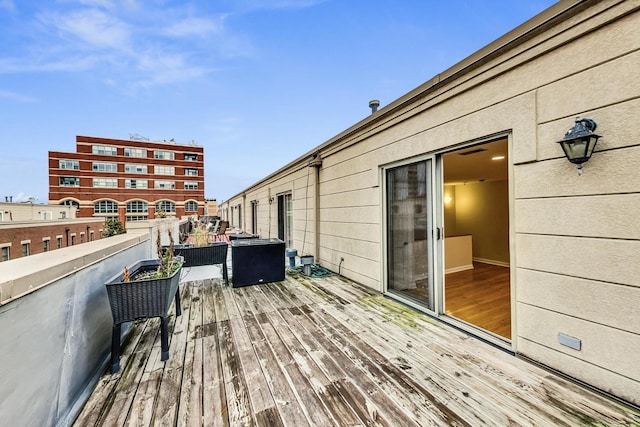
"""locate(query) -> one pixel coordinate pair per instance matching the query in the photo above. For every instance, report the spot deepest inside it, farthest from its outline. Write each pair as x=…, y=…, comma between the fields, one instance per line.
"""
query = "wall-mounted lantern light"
x=579, y=141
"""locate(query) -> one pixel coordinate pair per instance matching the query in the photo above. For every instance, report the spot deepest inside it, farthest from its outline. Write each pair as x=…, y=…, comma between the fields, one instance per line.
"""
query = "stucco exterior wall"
x=575, y=242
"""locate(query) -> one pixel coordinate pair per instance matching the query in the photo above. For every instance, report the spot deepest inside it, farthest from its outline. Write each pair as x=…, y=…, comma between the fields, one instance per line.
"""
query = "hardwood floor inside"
x=481, y=296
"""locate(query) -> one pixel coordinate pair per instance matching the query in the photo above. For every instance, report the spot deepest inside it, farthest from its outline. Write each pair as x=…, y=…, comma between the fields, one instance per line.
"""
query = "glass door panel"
x=409, y=232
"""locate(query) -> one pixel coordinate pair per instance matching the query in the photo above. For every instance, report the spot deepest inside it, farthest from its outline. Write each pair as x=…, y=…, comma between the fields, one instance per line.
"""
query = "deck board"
x=325, y=351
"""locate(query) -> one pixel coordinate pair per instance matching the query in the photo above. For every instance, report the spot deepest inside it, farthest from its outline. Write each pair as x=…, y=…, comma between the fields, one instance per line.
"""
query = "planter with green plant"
x=203, y=252
x=145, y=290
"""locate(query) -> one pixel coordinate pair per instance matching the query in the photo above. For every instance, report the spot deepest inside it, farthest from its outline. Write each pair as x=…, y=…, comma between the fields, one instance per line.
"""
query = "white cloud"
x=70, y=63
x=91, y=26
x=196, y=27
x=126, y=43
x=8, y=5
x=158, y=68
x=279, y=4
x=13, y=96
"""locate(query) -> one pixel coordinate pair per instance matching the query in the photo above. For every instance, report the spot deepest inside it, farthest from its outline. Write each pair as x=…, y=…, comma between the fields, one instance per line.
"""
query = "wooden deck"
x=325, y=352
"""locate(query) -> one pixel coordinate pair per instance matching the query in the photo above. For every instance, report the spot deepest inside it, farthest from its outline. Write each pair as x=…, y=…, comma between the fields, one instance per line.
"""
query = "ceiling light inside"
x=497, y=158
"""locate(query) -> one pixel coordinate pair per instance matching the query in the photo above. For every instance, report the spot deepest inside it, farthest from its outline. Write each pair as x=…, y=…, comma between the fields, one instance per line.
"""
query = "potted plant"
x=144, y=290
x=203, y=252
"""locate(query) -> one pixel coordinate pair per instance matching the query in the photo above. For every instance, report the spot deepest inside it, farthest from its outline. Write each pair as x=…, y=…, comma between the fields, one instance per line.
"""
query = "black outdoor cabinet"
x=256, y=261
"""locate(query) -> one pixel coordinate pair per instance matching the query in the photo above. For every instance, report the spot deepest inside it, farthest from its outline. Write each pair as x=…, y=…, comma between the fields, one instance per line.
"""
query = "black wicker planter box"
x=213, y=253
x=140, y=299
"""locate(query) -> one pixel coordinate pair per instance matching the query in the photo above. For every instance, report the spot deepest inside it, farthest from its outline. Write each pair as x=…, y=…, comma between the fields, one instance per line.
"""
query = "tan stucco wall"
x=575, y=242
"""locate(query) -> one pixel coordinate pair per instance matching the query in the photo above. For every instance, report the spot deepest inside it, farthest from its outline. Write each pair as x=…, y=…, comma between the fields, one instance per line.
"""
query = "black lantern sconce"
x=579, y=141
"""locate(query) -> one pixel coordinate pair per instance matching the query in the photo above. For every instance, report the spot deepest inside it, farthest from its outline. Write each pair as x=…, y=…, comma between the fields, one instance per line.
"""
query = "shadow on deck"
x=325, y=352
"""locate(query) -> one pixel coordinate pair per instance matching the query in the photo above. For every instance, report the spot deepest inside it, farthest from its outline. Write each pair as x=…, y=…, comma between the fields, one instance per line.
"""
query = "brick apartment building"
x=29, y=228
x=23, y=238
x=128, y=179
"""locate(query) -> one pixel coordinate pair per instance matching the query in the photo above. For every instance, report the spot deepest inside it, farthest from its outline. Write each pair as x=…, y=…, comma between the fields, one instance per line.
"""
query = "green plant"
x=200, y=235
x=113, y=227
x=168, y=263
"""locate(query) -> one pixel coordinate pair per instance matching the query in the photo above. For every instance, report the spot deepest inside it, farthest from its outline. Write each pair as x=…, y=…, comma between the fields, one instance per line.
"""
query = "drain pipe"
x=316, y=164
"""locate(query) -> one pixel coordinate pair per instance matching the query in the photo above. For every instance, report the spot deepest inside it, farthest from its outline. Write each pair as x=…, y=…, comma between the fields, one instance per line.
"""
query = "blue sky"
x=257, y=83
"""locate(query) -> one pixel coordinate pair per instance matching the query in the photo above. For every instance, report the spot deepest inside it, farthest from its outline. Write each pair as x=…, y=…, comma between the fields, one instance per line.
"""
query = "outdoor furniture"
x=210, y=254
x=214, y=227
x=222, y=230
x=243, y=235
x=257, y=261
x=141, y=299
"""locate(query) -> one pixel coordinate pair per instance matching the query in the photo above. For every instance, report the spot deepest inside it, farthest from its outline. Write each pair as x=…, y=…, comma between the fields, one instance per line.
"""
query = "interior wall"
x=449, y=196
x=482, y=210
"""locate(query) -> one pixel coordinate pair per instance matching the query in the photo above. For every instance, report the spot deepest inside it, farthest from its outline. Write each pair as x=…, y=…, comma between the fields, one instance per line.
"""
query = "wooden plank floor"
x=325, y=352
x=481, y=296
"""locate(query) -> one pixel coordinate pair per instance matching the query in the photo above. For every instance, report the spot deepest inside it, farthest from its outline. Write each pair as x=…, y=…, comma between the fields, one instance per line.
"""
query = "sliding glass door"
x=409, y=211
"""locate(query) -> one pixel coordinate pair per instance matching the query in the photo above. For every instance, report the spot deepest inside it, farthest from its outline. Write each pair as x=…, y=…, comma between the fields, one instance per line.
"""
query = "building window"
x=166, y=205
x=163, y=155
x=105, y=182
x=105, y=167
x=82, y=237
x=190, y=185
x=192, y=157
x=70, y=164
x=105, y=150
x=190, y=172
x=69, y=181
x=191, y=206
x=45, y=245
x=135, y=152
x=73, y=239
x=164, y=170
x=137, y=206
x=165, y=185
x=25, y=248
x=6, y=253
x=59, y=242
x=136, y=183
x=105, y=207
x=135, y=168
x=70, y=202
x=137, y=218
x=91, y=236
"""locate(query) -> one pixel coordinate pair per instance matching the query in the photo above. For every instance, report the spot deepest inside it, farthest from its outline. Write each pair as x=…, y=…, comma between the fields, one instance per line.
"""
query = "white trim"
x=457, y=269
x=492, y=262
x=23, y=242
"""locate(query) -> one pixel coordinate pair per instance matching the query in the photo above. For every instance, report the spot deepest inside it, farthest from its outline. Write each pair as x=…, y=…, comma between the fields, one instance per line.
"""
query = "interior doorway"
x=475, y=195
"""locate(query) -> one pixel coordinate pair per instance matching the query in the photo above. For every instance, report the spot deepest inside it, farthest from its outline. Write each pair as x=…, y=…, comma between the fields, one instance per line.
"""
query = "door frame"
x=436, y=242
x=437, y=190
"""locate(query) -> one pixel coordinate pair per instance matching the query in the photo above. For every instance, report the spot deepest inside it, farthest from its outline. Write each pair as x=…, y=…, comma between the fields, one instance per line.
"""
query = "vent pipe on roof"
x=374, y=104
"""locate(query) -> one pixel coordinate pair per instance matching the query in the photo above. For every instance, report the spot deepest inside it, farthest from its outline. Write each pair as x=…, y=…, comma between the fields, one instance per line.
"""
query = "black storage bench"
x=257, y=261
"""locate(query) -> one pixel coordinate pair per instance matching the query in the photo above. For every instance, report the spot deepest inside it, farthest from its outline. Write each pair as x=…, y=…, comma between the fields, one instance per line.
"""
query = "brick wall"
x=14, y=236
